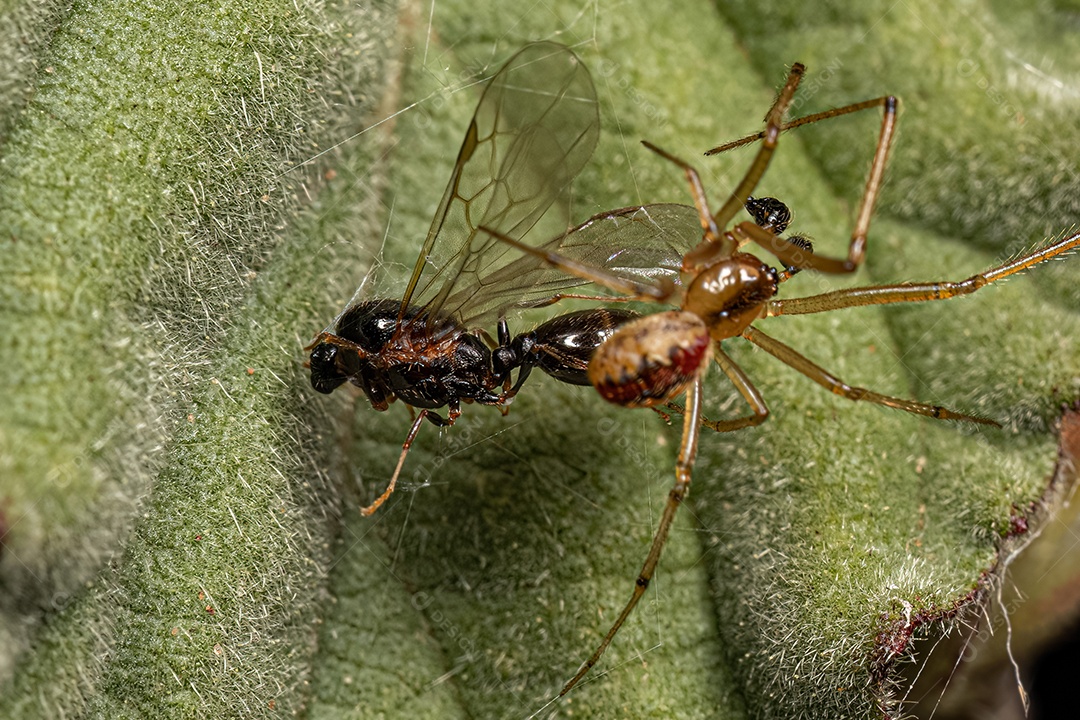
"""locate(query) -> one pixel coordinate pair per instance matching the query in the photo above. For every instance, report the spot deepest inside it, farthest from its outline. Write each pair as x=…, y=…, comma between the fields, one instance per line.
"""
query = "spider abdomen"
x=652, y=359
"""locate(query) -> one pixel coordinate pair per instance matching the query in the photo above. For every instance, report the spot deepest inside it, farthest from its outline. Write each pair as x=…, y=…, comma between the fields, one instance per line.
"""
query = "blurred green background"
x=190, y=192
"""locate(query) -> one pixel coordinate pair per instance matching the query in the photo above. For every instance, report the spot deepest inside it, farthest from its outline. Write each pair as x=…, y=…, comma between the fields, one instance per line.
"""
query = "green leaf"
x=191, y=192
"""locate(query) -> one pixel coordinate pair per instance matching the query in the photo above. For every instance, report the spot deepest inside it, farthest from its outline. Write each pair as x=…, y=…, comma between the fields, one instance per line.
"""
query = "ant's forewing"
x=642, y=243
x=534, y=129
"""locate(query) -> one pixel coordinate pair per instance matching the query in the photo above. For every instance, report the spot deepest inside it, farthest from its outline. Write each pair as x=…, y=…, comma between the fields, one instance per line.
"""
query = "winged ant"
x=534, y=128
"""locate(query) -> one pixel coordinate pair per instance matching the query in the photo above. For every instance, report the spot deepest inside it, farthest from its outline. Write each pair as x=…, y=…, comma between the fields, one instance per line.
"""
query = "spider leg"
x=738, y=378
x=794, y=256
x=635, y=290
x=716, y=246
x=822, y=377
x=701, y=202
x=805, y=120
x=770, y=136
x=683, y=467
x=917, y=292
x=559, y=297
x=803, y=242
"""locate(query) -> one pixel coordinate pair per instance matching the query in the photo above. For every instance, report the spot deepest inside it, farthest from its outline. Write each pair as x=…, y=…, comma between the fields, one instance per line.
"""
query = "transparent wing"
x=642, y=243
x=535, y=127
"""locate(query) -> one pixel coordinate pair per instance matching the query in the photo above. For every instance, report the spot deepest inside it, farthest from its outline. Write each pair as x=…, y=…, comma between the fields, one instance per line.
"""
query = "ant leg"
x=738, y=378
x=509, y=394
x=917, y=292
x=790, y=254
x=636, y=290
x=771, y=136
x=367, y=511
x=790, y=357
x=435, y=419
x=805, y=120
x=683, y=467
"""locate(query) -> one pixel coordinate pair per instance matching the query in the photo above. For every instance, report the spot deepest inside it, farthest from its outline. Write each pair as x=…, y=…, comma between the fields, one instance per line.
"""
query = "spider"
x=651, y=360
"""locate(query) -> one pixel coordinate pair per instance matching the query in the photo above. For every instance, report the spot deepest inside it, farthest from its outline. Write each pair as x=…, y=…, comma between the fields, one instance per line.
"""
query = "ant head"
x=330, y=367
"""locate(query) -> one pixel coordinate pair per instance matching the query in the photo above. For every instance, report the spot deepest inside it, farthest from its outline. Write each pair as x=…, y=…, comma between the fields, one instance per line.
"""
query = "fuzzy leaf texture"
x=190, y=192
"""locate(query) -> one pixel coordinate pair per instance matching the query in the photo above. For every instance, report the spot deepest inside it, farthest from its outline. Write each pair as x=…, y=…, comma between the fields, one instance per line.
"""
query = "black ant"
x=537, y=118
x=534, y=128
x=651, y=360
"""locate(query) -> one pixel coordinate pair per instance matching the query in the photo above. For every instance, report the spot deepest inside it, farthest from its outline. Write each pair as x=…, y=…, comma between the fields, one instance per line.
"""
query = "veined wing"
x=535, y=127
x=643, y=243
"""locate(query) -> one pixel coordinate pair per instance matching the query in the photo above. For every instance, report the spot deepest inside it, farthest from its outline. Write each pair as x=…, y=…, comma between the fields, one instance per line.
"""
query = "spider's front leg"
x=792, y=255
x=633, y=290
x=717, y=244
x=917, y=292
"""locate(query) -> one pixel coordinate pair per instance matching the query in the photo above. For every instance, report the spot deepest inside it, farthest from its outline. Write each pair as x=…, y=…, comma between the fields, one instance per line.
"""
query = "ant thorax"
x=426, y=362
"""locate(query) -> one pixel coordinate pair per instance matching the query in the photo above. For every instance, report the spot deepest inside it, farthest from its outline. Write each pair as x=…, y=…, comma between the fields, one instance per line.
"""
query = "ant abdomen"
x=563, y=346
x=652, y=359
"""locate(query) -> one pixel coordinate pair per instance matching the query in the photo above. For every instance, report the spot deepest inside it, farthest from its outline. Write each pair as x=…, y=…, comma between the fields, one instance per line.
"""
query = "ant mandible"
x=651, y=360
